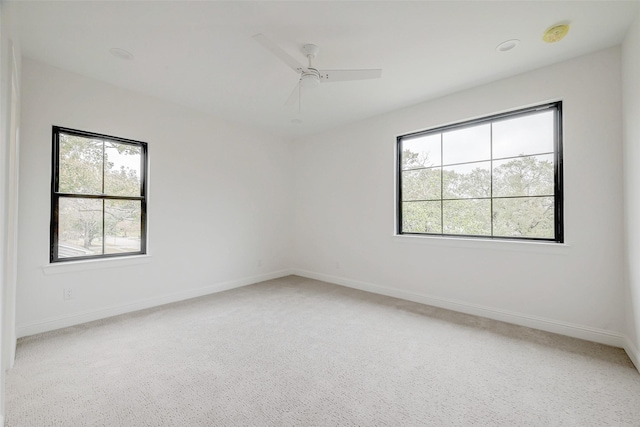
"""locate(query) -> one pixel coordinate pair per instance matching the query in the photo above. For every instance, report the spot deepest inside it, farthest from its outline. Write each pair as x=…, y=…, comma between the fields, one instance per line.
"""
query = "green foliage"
x=79, y=220
x=421, y=184
x=81, y=163
x=524, y=217
x=421, y=217
x=515, y=212
x=469, y=217
x=459, y=185
x=524, y=176
x=84, y=169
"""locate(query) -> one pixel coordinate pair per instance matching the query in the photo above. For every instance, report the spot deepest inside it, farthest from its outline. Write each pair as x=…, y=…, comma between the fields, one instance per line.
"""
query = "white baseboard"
x=632, y=352
x=91, y=315
x=576, y=331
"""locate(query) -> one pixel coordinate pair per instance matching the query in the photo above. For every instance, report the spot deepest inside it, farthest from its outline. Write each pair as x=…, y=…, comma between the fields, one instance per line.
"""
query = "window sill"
x=485, y=244
x=94, y=264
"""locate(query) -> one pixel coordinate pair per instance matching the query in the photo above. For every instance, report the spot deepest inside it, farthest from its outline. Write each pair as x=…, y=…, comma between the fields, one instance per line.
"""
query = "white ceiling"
x=201, y=54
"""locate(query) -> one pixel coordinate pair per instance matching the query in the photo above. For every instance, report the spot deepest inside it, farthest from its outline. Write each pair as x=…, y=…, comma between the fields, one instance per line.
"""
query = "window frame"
x=56, y=195
x=558, y=195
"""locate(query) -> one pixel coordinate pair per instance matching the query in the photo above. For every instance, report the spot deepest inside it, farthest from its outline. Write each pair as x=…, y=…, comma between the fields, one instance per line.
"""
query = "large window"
x=98, y=196
x=496, y=177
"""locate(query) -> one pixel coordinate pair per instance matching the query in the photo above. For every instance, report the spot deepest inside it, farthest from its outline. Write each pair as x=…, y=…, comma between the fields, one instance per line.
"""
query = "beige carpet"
x=298, y=352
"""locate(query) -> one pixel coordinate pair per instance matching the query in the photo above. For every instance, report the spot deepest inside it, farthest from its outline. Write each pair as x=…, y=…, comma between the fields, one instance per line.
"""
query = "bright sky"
x=129, y=161
x=530, y=134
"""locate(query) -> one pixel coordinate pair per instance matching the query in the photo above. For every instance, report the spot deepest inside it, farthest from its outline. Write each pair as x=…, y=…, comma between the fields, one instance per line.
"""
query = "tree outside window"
x=98, y=196
x=497, y=177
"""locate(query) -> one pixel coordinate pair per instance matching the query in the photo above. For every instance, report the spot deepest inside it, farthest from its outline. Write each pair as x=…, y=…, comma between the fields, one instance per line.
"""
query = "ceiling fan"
x=310, y=76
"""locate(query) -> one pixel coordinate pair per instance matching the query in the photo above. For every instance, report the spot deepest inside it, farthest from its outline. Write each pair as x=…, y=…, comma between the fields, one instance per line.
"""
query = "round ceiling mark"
x=507, y=45
x=121, y=53
x=555, y=33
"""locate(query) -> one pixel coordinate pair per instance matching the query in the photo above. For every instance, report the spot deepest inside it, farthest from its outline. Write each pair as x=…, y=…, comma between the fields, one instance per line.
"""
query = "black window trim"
x=558, y=172
x=56, y=195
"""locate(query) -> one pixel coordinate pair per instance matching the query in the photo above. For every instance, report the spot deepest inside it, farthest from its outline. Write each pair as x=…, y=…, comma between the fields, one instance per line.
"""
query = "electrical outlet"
x=68, y=293
x=259, y=263
x=338, y=265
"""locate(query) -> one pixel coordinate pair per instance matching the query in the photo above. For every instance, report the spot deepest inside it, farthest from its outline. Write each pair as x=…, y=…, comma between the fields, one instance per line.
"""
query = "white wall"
x=9, y=127
x=219, y=198
x=242, y=195
x=345, y=207
x=631, y=122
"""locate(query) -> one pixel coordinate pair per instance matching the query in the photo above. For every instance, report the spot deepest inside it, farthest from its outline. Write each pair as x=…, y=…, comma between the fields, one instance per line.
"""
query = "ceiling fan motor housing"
x=310, y=78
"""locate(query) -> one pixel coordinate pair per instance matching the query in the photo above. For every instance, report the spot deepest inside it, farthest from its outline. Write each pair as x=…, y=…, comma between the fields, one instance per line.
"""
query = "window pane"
x=421, y=217
x=524, y=176
x=530, y=134
x=79, y=227
x=467, y=181
x=470, y=217
x=122, y=169
x=122, y=226
x=421, y=151
x=421, y=184
x=80, y=163
x=524, y=217
x=498, y=176
x=469, y=144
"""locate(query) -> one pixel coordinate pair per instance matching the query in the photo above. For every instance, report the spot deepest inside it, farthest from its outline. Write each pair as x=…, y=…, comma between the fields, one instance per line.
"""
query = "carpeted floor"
x=299, y=352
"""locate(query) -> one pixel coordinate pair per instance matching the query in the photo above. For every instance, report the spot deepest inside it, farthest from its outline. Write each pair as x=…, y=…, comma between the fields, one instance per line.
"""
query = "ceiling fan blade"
x=294, y=97
x=277, y=51
x=327, y=76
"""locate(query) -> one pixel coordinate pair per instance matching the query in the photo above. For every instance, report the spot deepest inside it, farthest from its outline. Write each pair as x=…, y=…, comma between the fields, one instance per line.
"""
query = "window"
x=495, y=177
x=98, y=196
